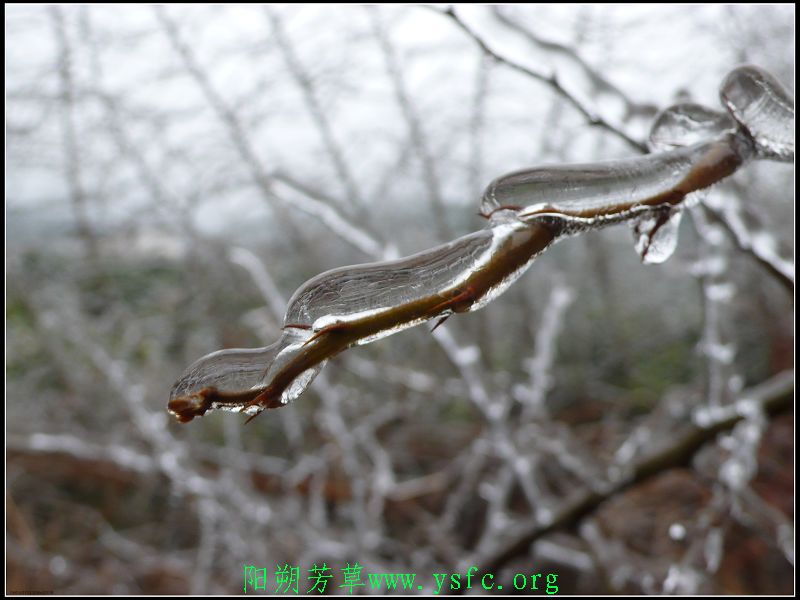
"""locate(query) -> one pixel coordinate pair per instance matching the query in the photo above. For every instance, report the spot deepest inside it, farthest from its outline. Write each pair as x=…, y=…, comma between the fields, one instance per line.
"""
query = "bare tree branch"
x=416, y=133
x=303, y=80
x=599, y=82
x=552, y=80
x=773, y=396
x=72, y=151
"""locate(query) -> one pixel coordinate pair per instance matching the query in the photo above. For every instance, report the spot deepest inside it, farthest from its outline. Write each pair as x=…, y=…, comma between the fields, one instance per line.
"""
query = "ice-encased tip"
x=764, y=108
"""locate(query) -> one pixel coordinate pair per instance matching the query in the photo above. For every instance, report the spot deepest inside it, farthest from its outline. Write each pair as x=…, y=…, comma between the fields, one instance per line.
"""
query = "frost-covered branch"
x=597, y=83
x=70, y=139
x=773, y=397
x=305, y=83
x=754, y=241
x=550, y=79
x=270, y=189
x=417, y=135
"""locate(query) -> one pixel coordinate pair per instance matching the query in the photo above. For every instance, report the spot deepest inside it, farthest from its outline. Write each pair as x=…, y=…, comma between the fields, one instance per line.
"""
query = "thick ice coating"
x=605, y=189
x=764, y=108
x=694, y=147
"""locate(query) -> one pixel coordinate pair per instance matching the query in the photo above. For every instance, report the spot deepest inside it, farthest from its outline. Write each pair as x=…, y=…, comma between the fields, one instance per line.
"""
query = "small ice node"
x=708, y=415
x=734, y=474
x=714, y=265
x=495, y=411
x=750, y=432
x=749, y=408
x=736, y=384
x=58, y=565
x=677, y=531
x=763, y=242
x=714, y=235
x=721, y=353
x=544, y=516
x=468, y=355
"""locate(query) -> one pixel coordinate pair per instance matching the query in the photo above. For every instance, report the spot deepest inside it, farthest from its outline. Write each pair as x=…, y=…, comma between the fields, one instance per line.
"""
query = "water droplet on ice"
x=655, y=235
x=687, y=124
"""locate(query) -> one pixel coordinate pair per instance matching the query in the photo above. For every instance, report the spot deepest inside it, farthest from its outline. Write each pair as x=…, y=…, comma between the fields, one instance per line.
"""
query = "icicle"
x=764, y=108
x=655, y=235
x=301, y=382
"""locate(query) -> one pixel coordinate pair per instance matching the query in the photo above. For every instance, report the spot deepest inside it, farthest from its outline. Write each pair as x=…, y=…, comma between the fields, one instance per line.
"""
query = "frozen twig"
x=528, y=211
x=71, y=144
x=756, y=242
x=416, y=132
x=773, y=396
x=314, y=106
x=549, y=79
x=598, y=83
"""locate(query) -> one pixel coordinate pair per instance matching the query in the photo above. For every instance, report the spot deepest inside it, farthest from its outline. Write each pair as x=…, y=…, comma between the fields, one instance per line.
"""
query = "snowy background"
x=173, y=174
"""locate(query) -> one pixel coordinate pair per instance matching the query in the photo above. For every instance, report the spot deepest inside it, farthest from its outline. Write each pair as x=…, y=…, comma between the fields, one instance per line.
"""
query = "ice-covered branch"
x=564, y=56
x=528, y=211
x=773, y=396
x=272, y=188
x=69, y=133
x=314, y=106
x=417, y=134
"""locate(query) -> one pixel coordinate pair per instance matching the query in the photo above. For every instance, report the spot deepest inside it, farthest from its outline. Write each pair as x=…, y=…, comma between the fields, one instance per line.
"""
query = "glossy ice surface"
x=694, y=147
x=764, y=108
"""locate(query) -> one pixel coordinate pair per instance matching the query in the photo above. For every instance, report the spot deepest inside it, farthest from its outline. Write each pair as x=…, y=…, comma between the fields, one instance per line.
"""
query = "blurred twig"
x=416, y=132
x=552, y=80
x=71, y=144
x=321, y=120
x=774, y=396
x=598, y=81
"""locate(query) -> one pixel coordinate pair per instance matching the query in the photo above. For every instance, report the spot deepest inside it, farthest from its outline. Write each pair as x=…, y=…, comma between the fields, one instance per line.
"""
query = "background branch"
x=773, y=397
